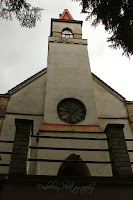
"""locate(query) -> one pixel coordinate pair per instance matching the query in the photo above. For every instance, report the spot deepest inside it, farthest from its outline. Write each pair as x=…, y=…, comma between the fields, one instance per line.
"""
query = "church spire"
x=66, y=15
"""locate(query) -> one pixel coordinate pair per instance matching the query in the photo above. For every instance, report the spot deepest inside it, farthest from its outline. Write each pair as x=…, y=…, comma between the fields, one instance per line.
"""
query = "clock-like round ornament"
x=71, y=111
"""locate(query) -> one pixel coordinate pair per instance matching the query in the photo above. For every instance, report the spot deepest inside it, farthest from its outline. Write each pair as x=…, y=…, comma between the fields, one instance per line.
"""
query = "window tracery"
x=67, y=33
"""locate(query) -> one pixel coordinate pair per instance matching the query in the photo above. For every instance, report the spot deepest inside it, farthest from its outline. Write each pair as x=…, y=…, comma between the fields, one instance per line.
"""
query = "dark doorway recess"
x=73, y=169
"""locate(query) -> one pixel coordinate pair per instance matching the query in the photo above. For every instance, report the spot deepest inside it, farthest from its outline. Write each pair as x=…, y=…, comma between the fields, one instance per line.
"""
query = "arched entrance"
x=73, y=168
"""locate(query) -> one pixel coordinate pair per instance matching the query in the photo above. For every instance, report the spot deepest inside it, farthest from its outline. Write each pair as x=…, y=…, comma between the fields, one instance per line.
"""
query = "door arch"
x=73, y=168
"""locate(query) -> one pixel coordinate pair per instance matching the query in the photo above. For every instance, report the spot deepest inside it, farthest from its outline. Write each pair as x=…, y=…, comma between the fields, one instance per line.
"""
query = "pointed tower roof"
x=66, y=15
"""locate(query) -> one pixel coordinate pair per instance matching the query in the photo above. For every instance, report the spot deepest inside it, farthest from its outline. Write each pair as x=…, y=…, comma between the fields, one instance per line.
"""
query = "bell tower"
x=69, y=90
x=70, y=115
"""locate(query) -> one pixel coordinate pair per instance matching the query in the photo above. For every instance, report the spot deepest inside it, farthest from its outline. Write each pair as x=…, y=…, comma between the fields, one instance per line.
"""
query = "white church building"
x=64, y=120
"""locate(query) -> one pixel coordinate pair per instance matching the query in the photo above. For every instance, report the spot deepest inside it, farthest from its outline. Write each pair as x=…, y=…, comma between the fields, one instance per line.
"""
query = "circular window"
x=71, y=111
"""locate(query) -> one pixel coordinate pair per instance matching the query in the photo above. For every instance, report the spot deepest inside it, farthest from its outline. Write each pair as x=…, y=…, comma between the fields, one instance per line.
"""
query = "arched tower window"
x=73, y=168
x=67, y=33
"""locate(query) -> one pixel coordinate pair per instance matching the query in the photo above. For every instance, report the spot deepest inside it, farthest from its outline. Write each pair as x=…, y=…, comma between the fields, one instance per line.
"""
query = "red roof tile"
x=66, y=15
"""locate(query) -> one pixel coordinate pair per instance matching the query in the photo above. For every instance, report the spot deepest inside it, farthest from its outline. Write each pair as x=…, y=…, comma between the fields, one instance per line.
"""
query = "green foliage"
x=117, y=18
x=24, y=12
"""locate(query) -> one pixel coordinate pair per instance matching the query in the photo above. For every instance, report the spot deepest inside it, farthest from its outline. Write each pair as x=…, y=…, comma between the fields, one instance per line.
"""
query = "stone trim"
x=121, y=165
x=19, y=156
x=71, y=128
x=129, y=106
x=68, y=40
x=3, y=106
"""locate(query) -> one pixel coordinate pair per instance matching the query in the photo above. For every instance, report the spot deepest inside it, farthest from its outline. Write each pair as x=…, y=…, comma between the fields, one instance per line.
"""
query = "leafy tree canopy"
x=117, y=18
x=24, y=12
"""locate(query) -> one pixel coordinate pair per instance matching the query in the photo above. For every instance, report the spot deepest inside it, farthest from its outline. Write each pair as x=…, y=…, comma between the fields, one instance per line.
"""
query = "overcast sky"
x=23, y=52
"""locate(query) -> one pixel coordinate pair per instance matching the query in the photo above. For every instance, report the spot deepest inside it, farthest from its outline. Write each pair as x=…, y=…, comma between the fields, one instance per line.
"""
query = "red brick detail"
x=73, y=128
x=66, y=15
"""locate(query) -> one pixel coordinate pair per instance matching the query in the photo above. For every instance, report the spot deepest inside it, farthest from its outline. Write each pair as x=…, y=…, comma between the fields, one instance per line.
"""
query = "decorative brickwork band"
x=121, y=165
x=20, y=147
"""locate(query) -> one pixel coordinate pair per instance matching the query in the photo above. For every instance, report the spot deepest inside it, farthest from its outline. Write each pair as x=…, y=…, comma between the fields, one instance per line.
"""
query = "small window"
x=67, y=33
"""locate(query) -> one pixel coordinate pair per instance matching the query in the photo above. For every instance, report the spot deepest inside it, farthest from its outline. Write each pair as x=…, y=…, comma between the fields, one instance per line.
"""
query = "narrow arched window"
x=67, y=33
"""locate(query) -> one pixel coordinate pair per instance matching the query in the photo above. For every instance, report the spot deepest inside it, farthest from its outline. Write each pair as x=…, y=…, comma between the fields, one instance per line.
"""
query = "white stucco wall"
x=27, y=103
x=8, y=133
x=68, y=76
x=108, y=105
x=30, y=99
x=49, y=168
x=111, y=109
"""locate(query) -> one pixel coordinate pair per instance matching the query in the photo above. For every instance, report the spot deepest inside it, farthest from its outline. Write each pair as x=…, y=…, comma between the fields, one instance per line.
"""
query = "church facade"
x=64, y=121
